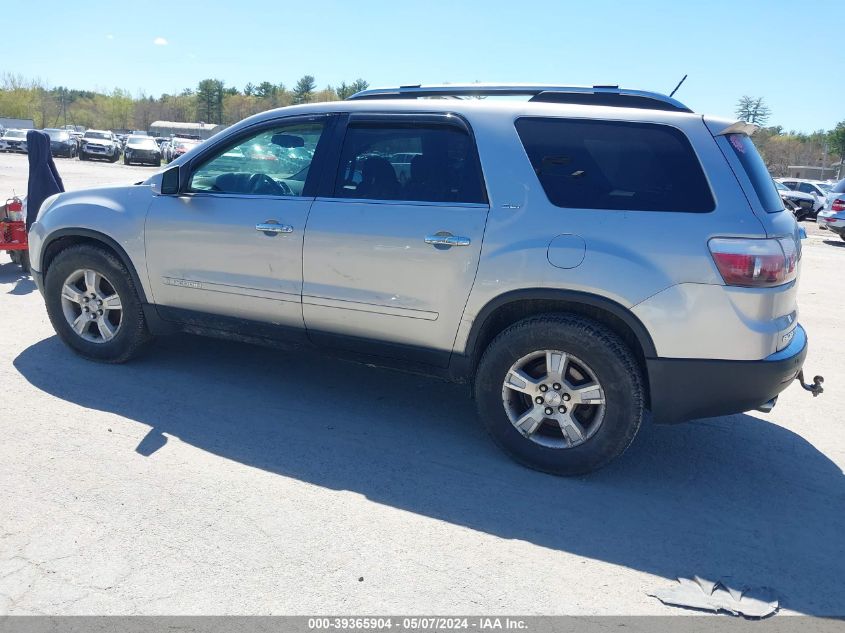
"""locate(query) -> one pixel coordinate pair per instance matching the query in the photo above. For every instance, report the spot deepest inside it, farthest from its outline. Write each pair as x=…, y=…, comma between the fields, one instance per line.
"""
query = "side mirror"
x=170, y=181
x=287, y=140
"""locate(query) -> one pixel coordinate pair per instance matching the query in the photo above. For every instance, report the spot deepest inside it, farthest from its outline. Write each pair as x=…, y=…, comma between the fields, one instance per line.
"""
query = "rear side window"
x=839, y=187
x=409, y=161
x=615, y=165
x=757, y=173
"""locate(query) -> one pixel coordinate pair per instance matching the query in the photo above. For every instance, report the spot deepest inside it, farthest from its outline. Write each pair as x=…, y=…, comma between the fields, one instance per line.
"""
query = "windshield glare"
x=16, y=134
x=96, y=135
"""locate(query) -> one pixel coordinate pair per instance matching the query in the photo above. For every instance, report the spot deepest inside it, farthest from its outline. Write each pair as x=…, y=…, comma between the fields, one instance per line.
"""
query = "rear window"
x=617, y=165
x=839, y=187
x=757, y=173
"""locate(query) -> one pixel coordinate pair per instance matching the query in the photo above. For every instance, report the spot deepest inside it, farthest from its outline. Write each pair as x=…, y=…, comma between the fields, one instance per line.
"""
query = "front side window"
x=409, y=161
x=273, y=162
x=587, y=164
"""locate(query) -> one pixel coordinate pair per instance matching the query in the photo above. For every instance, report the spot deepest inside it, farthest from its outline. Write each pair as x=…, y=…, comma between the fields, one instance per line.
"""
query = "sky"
x=728, y=48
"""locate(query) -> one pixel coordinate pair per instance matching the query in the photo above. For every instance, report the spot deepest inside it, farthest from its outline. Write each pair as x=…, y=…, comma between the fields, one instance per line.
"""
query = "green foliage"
x=753, y=110
x=304, y=89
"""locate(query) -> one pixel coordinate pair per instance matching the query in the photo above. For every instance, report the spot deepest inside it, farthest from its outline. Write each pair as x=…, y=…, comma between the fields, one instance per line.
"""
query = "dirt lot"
x=210, y=477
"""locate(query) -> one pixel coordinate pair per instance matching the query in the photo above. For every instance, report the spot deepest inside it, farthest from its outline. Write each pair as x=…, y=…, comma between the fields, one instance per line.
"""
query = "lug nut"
x=99, y=302
x=556, y=386
x=561, y=409
x=549, y=410
x=544, y=388
x=84, y=299
x=100, y=312
x=92, y=316
x=539, y=399
x=566, y=397
x=85, y=309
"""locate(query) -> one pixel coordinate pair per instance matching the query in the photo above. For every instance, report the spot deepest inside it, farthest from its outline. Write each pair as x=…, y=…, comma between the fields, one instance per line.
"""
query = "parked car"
x=801, y=204
x=13, y=141
x=61, y=143
x=833, y=217
x=181, y=145
x=141, y=149
x=575, y=316
x=99, y=144
x=816, y=188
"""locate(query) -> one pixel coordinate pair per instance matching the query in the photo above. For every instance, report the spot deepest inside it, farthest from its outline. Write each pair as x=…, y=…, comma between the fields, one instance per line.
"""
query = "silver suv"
x=579, y=255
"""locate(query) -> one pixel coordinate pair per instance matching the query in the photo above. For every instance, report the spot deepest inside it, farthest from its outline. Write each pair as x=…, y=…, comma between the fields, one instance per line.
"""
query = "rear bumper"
x=684, y=389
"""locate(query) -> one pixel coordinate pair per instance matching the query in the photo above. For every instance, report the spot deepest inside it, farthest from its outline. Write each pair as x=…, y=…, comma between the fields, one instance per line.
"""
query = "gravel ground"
x=209, y=477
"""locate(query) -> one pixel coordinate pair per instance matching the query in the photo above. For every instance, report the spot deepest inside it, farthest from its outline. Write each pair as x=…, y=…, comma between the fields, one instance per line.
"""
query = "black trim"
x=373, y=348
x=100, y=237
x=552, y=294
x=230, y=327
x=607, y=99
x=685, y=389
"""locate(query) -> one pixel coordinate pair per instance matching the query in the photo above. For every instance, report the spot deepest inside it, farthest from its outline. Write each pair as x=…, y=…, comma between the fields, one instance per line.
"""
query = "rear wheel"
x=93, y=304
x=125, y=160
x=560, y=393
x=82, y=155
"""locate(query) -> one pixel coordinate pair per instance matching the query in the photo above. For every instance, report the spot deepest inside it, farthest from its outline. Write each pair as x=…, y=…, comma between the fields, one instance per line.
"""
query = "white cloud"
x=160, y=41
x=109, y=36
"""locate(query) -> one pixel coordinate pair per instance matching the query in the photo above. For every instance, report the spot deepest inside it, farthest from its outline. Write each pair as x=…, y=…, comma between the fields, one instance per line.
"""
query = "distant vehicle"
x=801, y=204
x=141, y=149
x=182, y=145
x=99, y=144
x=13, y=141
x=833, y=217
x=160, y=140
x=62, y=143
x=165, y=150
x=816, y=188
x=837, y=191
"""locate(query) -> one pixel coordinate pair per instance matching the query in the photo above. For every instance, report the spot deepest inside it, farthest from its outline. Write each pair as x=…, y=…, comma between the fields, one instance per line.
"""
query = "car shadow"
x=840, y=244
x=11, y=273
x=725, y=497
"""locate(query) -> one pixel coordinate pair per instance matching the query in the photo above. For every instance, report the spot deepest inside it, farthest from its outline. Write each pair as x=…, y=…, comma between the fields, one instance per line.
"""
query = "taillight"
x=755, y=263
x=838, y=205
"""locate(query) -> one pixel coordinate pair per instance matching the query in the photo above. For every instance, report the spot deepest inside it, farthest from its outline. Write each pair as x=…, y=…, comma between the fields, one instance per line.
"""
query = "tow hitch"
x=816, y=388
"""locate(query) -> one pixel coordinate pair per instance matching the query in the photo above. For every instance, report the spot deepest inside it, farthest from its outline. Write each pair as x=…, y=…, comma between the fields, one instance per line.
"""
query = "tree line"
x=781, y=148
x=210, y=102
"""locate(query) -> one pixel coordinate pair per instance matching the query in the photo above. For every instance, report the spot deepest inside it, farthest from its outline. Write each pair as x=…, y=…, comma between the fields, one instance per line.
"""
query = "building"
x=16, y=124
x=814, y=172
x=176, y=128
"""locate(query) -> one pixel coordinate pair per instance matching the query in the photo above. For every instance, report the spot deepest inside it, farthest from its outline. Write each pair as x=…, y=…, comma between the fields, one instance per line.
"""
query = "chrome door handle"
x=447, y=239
x=271, y=227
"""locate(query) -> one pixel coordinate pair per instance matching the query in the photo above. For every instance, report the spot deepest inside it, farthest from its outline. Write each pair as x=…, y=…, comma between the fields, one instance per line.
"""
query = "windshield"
x=97, y=135
x=141, y=141
x=57, y=135
x=824, y=186
x=15, y=134
x=781, y=186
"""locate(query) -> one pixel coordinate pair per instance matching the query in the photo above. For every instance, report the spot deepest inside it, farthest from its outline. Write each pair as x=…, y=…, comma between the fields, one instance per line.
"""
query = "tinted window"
x=839, y=187
x=615, y=165
x=757, y=173
x=272, y=162
x=406, y=161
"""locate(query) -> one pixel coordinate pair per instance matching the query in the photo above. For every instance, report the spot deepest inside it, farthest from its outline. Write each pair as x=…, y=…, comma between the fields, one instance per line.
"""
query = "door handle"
x=447, y=239
x=272, y=227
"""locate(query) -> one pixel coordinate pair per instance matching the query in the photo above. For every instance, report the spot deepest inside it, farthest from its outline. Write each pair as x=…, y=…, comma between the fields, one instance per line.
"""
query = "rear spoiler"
x=740, y=127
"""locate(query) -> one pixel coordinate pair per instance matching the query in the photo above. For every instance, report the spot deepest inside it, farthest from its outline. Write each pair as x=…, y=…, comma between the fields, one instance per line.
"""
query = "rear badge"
x=787, y=337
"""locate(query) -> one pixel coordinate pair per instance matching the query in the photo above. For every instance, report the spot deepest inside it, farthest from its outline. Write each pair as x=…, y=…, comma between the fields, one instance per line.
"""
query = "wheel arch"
x=61, y=239
x=510, y=307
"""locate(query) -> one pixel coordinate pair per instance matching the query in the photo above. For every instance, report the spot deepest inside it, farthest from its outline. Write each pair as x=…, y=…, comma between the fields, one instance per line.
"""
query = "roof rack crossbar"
x=596, y=95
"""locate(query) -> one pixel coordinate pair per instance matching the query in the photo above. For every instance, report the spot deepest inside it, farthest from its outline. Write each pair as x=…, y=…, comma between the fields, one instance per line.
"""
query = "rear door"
x=392, y=245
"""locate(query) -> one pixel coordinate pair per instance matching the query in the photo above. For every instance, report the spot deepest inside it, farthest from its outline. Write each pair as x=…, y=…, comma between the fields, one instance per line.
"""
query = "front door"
x=391, y=255
x=231, y=243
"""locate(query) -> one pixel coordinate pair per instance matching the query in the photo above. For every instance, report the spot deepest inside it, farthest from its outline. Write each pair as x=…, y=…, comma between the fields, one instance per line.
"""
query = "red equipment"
x=13, y=232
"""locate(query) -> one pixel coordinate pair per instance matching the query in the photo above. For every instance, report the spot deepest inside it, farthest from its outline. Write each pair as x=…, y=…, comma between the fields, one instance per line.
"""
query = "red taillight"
x=838, y=205
x=755, y=263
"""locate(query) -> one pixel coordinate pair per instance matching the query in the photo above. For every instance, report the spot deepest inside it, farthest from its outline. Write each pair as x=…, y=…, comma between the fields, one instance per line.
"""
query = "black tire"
x=615, y=368
x=82, y=155
x=132, y=334
x=125, y=160
x=24, y=261
x=158, y=163
x=842, y=236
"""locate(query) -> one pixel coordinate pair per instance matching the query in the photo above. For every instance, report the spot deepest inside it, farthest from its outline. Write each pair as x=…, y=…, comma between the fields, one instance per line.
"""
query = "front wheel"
x=560, y=393
x=125, y=160
x=93, y=305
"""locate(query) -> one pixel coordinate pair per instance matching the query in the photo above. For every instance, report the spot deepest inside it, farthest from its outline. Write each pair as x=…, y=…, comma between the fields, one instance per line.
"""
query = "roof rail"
x=595, y=95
